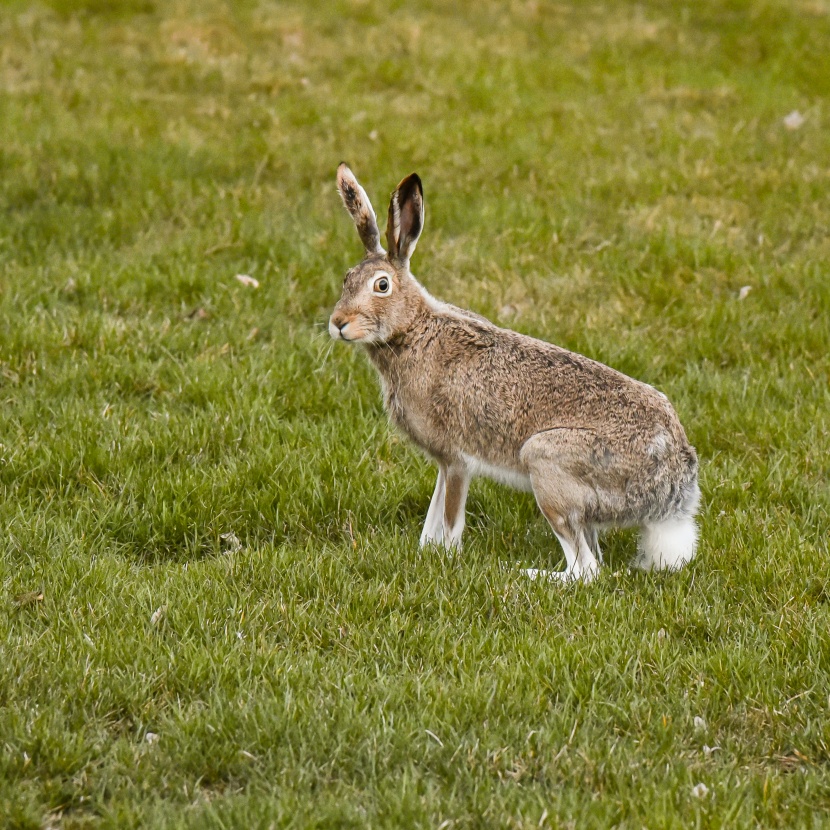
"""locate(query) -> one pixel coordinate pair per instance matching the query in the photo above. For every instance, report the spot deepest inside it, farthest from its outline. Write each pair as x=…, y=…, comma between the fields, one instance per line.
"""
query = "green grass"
x=605, y=176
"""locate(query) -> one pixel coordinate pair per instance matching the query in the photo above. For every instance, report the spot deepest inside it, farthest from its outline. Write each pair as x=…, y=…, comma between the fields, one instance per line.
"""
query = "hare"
x=596, y=448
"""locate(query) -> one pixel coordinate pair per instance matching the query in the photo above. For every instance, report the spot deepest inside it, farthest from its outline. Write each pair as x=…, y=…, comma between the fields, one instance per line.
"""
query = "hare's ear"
x=357, y=203
x=406, y=218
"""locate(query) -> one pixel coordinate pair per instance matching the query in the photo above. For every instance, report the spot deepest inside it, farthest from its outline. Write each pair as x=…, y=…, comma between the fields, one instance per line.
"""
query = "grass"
x=209, y=529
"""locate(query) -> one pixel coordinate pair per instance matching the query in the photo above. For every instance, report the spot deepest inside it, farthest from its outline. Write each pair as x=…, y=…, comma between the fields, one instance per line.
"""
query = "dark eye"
x=382, y=285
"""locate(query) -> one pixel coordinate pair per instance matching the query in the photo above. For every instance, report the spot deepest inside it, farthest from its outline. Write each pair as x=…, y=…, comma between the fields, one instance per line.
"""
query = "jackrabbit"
x=597, y=448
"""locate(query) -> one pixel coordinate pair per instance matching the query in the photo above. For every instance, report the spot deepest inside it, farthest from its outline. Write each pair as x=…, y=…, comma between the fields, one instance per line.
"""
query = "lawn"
x=213, y=609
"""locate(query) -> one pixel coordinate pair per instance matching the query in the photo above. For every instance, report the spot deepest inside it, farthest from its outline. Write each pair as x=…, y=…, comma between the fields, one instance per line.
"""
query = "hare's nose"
x=337, y=325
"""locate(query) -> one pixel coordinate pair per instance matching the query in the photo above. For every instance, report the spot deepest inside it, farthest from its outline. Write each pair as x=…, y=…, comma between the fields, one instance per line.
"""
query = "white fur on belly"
x=504, y=475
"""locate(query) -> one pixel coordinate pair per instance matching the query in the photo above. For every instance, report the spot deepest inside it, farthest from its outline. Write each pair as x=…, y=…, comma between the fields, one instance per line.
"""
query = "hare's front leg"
x=445, y=518
x=433, y=531
x=455, y=500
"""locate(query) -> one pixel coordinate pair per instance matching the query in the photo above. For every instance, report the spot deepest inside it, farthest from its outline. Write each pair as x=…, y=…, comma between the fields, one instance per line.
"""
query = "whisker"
x=324, y=359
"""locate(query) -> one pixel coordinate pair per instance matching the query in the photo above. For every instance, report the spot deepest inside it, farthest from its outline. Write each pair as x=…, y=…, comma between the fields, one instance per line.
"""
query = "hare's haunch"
x=597, y=448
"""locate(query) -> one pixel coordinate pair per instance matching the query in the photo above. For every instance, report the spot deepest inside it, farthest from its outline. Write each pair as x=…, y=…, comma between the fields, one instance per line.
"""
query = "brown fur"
x=598, y=447
x=493, y=377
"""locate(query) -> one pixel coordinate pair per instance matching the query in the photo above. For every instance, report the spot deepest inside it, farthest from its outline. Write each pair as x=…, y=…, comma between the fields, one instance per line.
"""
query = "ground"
x=213, y=610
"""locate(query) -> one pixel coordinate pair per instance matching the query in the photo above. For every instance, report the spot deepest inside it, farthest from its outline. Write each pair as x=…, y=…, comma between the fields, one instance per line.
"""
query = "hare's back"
x=502, y=377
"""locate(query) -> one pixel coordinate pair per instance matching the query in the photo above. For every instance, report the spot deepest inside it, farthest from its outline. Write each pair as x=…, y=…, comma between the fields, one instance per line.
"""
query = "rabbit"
x=596, y=448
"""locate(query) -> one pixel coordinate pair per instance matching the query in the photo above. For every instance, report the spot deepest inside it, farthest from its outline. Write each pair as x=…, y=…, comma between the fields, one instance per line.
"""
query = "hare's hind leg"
x=581, y=564
x=446, y=515
x=564, y=500
x=592, y=537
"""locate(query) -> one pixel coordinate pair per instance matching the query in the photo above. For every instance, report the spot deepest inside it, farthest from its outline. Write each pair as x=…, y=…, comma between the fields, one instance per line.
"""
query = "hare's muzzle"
x=338, y=325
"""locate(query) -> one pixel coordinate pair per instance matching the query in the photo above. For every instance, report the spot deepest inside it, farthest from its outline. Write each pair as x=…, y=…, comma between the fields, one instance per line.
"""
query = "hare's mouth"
x=349, y=330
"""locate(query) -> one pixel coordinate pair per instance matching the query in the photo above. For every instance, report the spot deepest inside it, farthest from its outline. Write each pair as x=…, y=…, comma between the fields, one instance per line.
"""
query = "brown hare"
x=596, y=448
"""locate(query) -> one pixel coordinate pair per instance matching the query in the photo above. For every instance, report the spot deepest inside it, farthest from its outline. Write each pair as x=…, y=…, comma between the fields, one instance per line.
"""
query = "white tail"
x=667, y=545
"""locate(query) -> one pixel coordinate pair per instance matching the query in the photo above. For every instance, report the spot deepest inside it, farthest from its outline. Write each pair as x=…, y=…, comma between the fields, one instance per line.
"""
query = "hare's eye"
x=382, y=285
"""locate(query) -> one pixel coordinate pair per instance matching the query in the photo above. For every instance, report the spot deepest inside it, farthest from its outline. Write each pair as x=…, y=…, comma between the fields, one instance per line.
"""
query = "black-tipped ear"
x=357, y=203
x=406, y=218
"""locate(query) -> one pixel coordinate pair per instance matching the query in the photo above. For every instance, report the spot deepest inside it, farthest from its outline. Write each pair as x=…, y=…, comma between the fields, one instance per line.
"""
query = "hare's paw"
x=566, y=577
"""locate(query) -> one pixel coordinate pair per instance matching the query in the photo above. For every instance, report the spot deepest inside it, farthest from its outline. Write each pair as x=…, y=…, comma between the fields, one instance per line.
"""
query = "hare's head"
x=380, y=297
